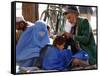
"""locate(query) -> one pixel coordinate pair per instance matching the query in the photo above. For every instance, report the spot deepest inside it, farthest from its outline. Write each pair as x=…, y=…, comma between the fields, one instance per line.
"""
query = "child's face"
x=61, y=46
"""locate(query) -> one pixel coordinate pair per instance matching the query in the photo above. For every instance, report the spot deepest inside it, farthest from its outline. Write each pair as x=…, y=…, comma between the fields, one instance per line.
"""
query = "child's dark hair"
x=59, y=40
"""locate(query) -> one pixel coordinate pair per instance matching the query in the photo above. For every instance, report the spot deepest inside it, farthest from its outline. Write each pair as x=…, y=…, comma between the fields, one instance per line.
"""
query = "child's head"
x=59, y=42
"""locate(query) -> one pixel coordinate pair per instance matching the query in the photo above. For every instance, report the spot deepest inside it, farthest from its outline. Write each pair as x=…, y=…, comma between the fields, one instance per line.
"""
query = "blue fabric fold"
x=82, y=54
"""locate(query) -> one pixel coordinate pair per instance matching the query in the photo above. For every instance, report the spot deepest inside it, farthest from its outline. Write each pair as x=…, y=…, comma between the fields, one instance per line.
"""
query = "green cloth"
x=86, y=40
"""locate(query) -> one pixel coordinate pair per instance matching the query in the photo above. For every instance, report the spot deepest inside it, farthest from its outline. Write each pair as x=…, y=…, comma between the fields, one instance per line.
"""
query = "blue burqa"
x=30, y=43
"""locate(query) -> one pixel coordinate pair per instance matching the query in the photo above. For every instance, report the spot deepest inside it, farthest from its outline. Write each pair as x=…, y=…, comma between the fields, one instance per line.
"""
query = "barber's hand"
x=67, y=35
x=70, y=35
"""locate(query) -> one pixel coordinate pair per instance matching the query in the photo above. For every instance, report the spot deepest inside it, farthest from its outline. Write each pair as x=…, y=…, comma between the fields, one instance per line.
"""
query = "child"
x=56, y=57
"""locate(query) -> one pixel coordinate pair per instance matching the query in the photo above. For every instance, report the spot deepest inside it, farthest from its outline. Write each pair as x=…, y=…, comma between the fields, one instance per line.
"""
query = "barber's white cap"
x=18, y=19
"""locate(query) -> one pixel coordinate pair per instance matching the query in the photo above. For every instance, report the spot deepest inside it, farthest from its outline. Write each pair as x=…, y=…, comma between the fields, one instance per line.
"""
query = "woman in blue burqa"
x=30, y=43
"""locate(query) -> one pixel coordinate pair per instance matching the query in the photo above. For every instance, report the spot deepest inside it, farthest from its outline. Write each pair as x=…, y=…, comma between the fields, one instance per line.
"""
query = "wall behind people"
x=30, y=12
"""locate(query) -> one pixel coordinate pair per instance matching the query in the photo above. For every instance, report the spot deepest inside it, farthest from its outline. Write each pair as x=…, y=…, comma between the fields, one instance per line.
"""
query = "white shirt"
x=67, y=26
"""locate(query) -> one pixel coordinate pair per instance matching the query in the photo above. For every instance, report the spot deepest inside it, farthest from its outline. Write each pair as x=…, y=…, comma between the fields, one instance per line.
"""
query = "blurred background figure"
x=21, y=26
x=86, y=12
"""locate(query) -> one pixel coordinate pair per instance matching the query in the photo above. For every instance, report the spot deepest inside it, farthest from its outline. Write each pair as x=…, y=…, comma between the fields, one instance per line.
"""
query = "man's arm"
x=84, y=33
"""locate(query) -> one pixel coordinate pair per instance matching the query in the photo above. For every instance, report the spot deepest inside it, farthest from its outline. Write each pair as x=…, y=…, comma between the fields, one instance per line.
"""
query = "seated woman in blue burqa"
x=30, y=43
